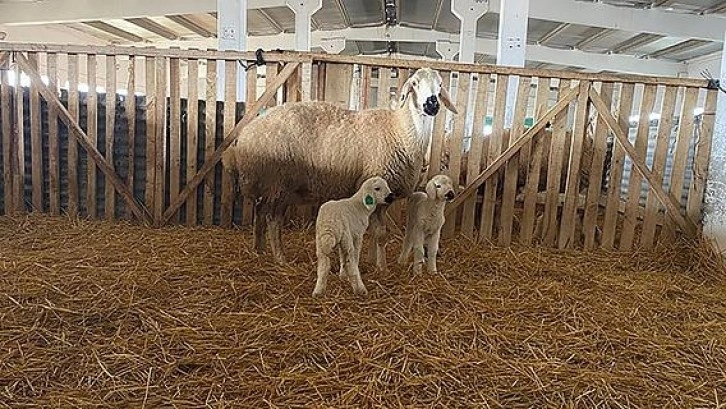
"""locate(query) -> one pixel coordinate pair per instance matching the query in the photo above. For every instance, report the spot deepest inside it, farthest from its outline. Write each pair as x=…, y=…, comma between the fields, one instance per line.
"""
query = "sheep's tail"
x=326, y=242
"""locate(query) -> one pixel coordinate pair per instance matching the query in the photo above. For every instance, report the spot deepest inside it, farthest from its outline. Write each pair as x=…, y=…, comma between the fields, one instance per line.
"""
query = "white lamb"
x=424, y=219
x=340, y=226
x=312, y=152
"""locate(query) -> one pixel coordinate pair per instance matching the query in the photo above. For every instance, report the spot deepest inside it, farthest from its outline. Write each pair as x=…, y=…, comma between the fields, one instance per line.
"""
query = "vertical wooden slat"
x=636, y=178
x=36, y=142
x=533, y=173
x=680, y=155
x=151, y=102
x=511, y=168
x=131, y=125
x=19, y=177
x=73, y=195
x=384, y=76
x=456, y=141
x=665, y=127
x=53, y=149
x=247, y=203
x=7, y=141
x=320, y=87
x=702, y=154
x=594, y=188
x=92, y=131
x=616, y=169
x=572, y=186
x=486, y=225
x=270, y=74
x=160, y=140
x=365, y=86
x=210, y=130
x=554, y=171
x=437, y=139
x=230, y=100
x=110, y=191
x=473, y=165
x=174, y=132
x=192, y=135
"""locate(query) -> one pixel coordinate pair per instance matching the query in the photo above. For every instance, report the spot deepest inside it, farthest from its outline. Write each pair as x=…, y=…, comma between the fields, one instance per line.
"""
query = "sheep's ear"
x=431, y=190
x=406, y=89
x=446, y=99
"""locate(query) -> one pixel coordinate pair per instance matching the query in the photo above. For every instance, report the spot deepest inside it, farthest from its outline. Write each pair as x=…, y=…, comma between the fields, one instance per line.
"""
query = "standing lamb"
x=424, y=219
x=340, y=226
x=312, y=152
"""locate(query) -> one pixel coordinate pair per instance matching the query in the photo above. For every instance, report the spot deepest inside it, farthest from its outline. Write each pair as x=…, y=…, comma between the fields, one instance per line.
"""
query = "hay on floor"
x=100, y=314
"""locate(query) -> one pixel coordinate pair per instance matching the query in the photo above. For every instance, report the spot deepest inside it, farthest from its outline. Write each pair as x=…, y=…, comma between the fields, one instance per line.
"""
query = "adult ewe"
x=339, y=229
x=312, y=152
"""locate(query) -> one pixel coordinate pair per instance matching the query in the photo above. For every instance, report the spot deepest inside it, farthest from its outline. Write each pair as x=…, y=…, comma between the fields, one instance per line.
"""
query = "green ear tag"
x=369, y=200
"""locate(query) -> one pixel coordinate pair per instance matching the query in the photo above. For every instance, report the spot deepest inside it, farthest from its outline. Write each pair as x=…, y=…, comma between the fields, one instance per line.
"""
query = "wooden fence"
x=590, y=160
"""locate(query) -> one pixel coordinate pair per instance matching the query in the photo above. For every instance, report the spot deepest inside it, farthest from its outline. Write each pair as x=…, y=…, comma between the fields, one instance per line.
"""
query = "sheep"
x=424, y=219
x=340, y=226
x=312, y=152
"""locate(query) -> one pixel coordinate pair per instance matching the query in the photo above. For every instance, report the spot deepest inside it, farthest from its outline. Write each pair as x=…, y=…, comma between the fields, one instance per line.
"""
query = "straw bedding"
x=94, y=314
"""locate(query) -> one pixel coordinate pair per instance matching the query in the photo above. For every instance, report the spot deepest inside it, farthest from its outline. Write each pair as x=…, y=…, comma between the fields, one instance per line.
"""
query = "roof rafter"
x=191, y=25
x=153, y=27
x=114, y=31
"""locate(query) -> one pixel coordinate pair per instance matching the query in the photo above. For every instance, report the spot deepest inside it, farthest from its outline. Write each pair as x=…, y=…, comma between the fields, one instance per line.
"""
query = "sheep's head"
x=376, y=192
x=425, y=88
x=440, y=187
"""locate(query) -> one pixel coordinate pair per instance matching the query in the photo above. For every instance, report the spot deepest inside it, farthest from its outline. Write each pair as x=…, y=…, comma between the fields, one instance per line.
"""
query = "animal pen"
x=115, y=136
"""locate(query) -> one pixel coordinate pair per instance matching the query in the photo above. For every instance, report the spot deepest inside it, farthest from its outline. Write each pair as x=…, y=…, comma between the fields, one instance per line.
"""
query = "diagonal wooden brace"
x=249, y=115
x=548, y=116
x=74, y=129
x=670, y=203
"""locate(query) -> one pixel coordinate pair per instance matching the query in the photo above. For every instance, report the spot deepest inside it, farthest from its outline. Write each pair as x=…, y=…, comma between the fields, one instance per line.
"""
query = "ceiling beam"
x=114, y=31
x=595, y=14
x=271, y=20
x=593, y=35
x=153, y=27
x=634, y=42
x=603, y=15
x=678, y=48
x=718, y=8
x=69, y=11
x=548, y=36
x=191, y=25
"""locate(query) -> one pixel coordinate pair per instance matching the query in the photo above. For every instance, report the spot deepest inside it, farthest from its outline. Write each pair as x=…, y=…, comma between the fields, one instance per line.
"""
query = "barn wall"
x=566, y=184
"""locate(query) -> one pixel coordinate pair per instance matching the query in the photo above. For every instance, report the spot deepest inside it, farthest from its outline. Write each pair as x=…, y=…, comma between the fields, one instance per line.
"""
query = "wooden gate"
x=586, y=160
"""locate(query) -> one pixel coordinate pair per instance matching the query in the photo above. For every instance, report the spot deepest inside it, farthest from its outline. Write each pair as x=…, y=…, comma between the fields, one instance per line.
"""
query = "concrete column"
x=512, y=45
x=304, y=10
x=714, y=220
x=232, y=35
x=448, y=50
x=468, y=12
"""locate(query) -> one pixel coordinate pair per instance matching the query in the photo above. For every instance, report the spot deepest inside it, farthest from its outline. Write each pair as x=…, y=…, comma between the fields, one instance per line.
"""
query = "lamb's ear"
x=446, y=99
x=407, y=88
x=431, y=190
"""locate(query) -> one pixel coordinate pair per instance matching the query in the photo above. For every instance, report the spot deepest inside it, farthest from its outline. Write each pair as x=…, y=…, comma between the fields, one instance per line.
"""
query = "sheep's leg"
x=343, y=272
x=377, y=227
x=351, y=252
x=432, y=243
x=323, y=271
x=275, y=228
x=406, y=248
x=418, y=252
x=260, y=226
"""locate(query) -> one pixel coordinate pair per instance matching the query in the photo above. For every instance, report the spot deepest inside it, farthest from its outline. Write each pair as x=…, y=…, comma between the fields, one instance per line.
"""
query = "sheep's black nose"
x=390, y=197
x=431, y=106
x=449, y=195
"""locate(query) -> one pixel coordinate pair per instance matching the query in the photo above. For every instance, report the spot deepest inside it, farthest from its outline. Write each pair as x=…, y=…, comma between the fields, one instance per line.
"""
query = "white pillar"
x=468, y=12
x=714, y=220
x=304, y=10
x=448, y=50
x=512, y=45
x=232, y=35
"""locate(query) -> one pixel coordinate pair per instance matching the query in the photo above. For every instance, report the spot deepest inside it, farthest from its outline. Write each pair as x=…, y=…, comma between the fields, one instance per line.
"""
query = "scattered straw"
x=97, y=314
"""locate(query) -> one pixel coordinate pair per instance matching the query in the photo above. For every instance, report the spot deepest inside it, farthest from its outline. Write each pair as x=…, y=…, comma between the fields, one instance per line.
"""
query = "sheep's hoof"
x=360, y=291
x=318, y=293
